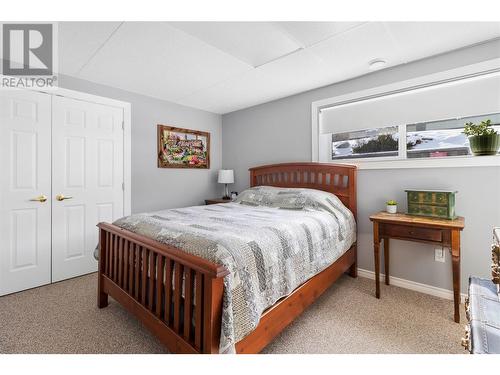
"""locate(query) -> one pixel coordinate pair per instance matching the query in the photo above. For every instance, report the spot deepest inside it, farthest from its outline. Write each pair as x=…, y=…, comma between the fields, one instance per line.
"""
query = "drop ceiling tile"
x=292, y=74
x=309, y=33
x=78, y=41
x=255, y=43
x=418, y=40
x=155, y=59
x=351, y=52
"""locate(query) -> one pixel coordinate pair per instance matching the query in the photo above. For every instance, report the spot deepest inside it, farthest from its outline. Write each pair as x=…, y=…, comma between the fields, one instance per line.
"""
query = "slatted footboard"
x=176, y=295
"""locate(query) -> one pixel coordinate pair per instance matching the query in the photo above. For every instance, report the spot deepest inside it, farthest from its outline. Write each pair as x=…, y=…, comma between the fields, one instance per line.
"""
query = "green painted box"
x=432, y=203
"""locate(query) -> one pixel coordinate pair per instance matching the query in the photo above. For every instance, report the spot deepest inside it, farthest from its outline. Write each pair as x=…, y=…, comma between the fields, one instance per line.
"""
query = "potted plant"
x=392, y=206
x=483, y=139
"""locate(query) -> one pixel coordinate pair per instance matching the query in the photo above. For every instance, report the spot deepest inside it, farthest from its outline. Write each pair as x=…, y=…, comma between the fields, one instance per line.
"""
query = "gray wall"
x=156, y=188
x=280, y=131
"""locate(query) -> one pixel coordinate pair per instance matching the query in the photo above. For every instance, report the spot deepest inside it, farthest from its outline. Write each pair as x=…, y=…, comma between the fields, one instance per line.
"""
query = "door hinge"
x=123, y=125
x=123, y=186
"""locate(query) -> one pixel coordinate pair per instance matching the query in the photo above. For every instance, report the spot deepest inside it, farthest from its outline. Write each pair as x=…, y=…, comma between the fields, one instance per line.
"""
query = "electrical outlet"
x=439, y=255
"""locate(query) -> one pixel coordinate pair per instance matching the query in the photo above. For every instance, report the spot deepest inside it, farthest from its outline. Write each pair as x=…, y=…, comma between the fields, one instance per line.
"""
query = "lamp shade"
x=226, y=176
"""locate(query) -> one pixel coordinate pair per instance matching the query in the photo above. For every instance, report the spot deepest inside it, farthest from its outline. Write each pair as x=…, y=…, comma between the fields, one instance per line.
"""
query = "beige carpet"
x=63, y=318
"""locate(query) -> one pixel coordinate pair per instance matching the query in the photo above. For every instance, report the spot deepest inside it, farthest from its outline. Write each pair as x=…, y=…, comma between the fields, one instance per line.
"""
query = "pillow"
x=272, y=197
x=288, y=198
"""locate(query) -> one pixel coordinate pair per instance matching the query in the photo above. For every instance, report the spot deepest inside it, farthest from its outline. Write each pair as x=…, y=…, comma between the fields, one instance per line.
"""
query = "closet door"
x=87, y=177
x=25, y=194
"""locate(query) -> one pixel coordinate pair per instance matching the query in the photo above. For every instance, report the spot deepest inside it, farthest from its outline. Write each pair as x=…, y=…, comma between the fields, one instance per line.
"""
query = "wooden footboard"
x=144, y=276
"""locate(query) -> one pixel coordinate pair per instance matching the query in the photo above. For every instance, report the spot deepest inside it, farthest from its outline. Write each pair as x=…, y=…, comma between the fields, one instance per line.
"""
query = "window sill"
x=446, y=162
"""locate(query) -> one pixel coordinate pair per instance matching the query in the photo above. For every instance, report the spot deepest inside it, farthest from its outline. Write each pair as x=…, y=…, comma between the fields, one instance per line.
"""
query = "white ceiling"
x=225, y=66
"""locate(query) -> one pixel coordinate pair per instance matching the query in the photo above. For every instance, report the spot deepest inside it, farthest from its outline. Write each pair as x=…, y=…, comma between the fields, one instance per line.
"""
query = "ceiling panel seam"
x=337, y=34
x=93, y=55
x=289, y=35
x=211, y=45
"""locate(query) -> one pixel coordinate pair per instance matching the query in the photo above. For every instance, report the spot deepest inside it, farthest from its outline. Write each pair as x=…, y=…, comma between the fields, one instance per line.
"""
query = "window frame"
x=401, y=161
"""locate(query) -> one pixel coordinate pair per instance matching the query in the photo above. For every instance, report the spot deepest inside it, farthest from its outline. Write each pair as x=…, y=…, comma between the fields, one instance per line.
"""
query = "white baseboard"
x=412, y=285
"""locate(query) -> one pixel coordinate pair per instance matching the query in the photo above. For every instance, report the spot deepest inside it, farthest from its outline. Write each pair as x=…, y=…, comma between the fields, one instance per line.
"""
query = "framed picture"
x=183, y=148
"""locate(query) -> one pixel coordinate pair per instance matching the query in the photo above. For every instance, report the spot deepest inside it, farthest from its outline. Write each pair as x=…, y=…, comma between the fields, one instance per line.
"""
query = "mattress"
x=270, y=239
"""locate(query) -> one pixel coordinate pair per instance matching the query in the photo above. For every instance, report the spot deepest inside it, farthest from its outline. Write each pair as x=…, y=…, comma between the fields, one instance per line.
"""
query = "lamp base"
x=226, y=193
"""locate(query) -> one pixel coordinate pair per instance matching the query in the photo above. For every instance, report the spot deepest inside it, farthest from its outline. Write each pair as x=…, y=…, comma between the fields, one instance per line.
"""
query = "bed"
x=141, y=262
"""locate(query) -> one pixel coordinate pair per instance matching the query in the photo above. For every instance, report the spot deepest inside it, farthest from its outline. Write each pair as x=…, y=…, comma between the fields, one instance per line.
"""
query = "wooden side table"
x=217, y=201
x=440, y=232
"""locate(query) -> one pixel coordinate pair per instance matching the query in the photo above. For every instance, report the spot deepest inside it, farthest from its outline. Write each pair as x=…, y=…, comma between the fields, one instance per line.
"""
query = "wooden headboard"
x=339, y=179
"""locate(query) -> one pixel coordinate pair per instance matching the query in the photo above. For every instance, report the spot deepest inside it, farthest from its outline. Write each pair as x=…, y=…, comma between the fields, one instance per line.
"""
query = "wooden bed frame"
x=138, y=272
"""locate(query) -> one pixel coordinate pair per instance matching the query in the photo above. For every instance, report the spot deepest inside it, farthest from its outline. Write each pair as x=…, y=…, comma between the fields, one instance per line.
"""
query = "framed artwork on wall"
x=183, y=148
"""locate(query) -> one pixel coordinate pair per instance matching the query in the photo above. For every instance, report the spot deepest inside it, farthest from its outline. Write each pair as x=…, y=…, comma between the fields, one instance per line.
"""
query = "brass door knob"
x=61, y=197
x=42, y=198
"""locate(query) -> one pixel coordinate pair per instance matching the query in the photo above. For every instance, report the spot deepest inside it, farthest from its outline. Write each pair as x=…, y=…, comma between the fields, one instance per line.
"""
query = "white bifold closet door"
x=61, y=165
x=25, y=190
x=87, y=178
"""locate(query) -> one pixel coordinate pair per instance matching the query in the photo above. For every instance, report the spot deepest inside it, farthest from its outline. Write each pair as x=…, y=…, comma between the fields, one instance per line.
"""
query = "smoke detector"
x=377, y=64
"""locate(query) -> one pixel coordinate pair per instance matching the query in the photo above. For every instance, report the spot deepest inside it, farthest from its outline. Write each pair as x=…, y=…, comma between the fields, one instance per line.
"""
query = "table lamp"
x=226, y=176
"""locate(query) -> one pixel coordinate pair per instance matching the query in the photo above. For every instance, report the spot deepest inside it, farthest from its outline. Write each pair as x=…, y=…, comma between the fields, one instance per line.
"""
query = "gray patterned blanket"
x=270, y=239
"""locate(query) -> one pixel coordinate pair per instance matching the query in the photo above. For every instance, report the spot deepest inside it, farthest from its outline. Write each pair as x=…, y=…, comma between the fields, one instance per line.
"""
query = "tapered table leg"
x=455, y=259
x=376, y=253
x=386, y=259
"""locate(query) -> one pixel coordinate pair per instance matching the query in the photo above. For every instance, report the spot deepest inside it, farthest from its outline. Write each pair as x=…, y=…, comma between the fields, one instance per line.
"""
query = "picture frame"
x=182, y=148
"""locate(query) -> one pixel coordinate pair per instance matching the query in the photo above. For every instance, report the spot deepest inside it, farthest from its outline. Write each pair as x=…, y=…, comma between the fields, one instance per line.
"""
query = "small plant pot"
x=484, y=144
x=392, y=208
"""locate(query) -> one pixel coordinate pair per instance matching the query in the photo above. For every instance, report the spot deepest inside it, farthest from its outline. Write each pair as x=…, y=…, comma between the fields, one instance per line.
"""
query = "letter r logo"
x=27, y=49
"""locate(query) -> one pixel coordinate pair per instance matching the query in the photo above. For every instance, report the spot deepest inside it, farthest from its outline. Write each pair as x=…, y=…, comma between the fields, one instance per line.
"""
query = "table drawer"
x=429, y=210
x=428, y=197
x=411, y=232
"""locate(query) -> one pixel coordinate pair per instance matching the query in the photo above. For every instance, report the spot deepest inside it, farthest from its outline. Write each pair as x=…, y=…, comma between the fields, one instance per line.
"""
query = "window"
x=382, y=142
x=441, y=138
